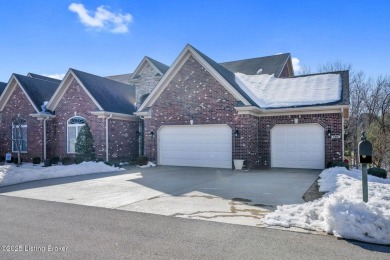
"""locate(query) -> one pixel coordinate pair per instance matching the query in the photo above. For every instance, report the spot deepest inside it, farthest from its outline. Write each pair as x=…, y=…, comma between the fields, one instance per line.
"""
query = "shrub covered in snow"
x=142, y=160
x=341, y=211
x=378, y=172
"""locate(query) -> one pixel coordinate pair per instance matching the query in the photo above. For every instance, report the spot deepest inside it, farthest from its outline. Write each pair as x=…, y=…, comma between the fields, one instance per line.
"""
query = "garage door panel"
x=298, y=146
x=199, y=146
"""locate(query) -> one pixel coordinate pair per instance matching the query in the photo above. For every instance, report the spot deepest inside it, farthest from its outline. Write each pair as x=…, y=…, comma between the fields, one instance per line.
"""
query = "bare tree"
x=377, y=103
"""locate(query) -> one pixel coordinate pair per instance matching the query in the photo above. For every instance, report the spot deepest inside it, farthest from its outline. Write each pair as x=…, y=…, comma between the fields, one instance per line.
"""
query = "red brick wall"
x=123, y=142
x=122, y=139
x=19, y=104
x=333, y=147
x=195, y=94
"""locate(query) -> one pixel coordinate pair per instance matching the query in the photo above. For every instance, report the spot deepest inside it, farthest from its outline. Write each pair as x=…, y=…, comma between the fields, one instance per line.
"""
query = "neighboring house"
x=205, y=114
x=2, y=87
x=106, y=105
x=24, y=96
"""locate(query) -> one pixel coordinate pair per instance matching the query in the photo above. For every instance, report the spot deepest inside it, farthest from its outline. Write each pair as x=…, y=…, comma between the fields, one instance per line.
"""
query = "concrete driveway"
x=200, y=193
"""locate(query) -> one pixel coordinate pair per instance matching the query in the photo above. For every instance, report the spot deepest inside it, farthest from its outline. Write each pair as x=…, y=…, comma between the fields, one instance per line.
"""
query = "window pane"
x=71, y=139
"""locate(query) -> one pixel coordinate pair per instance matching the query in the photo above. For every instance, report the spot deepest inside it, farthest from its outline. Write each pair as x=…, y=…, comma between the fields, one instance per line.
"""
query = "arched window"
x=19, y=135
x=74, y=125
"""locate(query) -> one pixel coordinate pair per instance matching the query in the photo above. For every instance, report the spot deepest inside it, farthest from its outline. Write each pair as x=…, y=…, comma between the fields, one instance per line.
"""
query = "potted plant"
x=238, y=164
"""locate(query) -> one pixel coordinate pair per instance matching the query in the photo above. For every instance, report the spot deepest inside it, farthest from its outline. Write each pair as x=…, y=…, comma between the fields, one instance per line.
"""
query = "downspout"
x=44, y=138
x=342, y=134
x=110, y=116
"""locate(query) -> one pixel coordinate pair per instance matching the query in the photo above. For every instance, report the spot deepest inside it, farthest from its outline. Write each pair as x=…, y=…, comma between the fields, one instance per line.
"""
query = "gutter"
x=110, y=116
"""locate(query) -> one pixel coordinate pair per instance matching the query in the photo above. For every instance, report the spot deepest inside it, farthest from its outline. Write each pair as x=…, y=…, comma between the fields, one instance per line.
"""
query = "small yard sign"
x=8, y=156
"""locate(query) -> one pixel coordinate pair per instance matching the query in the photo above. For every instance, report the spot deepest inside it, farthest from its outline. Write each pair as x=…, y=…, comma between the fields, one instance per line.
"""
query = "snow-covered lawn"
x=341, y=211
x=10, y=174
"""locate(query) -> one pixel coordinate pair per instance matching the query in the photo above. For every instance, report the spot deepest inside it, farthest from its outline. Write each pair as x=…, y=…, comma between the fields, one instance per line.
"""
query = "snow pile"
x=270, y=92
x=149, y=164
x=341, y=211
x=10, y=174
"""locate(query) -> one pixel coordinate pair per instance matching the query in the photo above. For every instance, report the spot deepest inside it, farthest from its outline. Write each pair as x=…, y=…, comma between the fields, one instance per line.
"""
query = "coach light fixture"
x=236, y=133
x=152, y=133
x=329, y=133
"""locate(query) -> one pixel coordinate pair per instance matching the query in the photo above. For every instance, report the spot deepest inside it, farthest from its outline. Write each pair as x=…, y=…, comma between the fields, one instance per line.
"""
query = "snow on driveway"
x=341, y=211
x=10, y=174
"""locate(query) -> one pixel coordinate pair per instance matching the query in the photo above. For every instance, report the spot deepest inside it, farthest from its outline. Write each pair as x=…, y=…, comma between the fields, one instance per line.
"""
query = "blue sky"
x=48, y=37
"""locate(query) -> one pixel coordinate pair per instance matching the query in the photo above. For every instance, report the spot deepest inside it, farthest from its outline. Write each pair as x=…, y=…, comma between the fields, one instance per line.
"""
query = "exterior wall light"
x=152, y=133
x=236, y=133
x=329, y=133
x=138, y=133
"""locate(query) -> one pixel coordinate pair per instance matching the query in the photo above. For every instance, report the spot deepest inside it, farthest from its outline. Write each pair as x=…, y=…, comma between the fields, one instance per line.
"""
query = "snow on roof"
x=270, y=92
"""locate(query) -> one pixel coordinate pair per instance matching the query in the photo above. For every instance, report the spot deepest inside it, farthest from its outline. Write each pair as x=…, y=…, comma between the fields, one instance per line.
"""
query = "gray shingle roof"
x=226, y=74
x=2, y=86
x=268, y=65
x=37, y=76
x=112, y=95
x=161, y=66
x=38, y=90
x=123, y=78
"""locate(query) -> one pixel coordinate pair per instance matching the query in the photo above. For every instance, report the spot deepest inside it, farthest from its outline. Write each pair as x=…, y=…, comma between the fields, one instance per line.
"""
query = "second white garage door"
x=298, y=146
x=195, y=145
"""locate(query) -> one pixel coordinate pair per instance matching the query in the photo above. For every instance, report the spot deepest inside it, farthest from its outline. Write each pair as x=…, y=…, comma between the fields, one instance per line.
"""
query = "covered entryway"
x=195, y=145
x=298, y=146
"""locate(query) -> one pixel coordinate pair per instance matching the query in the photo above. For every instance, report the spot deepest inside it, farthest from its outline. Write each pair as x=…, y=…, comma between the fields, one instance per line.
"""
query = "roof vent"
x=259, y=71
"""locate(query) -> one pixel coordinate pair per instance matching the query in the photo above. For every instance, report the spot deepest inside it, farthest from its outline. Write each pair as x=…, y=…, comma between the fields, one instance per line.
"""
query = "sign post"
x=365, y=157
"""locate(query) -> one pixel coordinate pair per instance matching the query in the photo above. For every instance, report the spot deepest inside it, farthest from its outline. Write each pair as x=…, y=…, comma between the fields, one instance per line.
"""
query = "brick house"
x=204, y=113
x=197, y=112
x=23, y=96
x=106, y=105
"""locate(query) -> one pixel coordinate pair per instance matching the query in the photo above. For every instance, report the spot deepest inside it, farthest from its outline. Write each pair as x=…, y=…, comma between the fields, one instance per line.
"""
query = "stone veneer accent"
x=145, y=81
x=18, y=103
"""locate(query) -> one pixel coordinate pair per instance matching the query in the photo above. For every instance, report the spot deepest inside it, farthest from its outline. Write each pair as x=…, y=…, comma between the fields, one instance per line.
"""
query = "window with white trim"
x=74, y=125
x=19, y=136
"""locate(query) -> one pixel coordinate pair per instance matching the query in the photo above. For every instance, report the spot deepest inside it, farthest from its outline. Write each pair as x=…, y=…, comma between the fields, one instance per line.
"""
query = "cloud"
x=102, y=18
x=59, y=76
x=296, y=65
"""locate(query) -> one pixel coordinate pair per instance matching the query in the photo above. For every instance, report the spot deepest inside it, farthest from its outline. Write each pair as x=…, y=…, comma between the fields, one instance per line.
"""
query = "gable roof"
x=268, y=65
x=161, y=68
x=108, y=95
x=37, y=90
x=2, y=87
x=37, y=76
x=226, y=74
x=247, y=92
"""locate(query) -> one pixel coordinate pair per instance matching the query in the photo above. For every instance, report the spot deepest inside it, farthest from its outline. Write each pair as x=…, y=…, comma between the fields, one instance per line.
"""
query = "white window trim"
x=12, y=137
x=77, y=126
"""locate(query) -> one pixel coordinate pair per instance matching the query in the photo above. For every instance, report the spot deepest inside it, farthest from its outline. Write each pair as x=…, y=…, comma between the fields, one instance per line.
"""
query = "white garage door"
x=196, y=145
x=298, y=146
